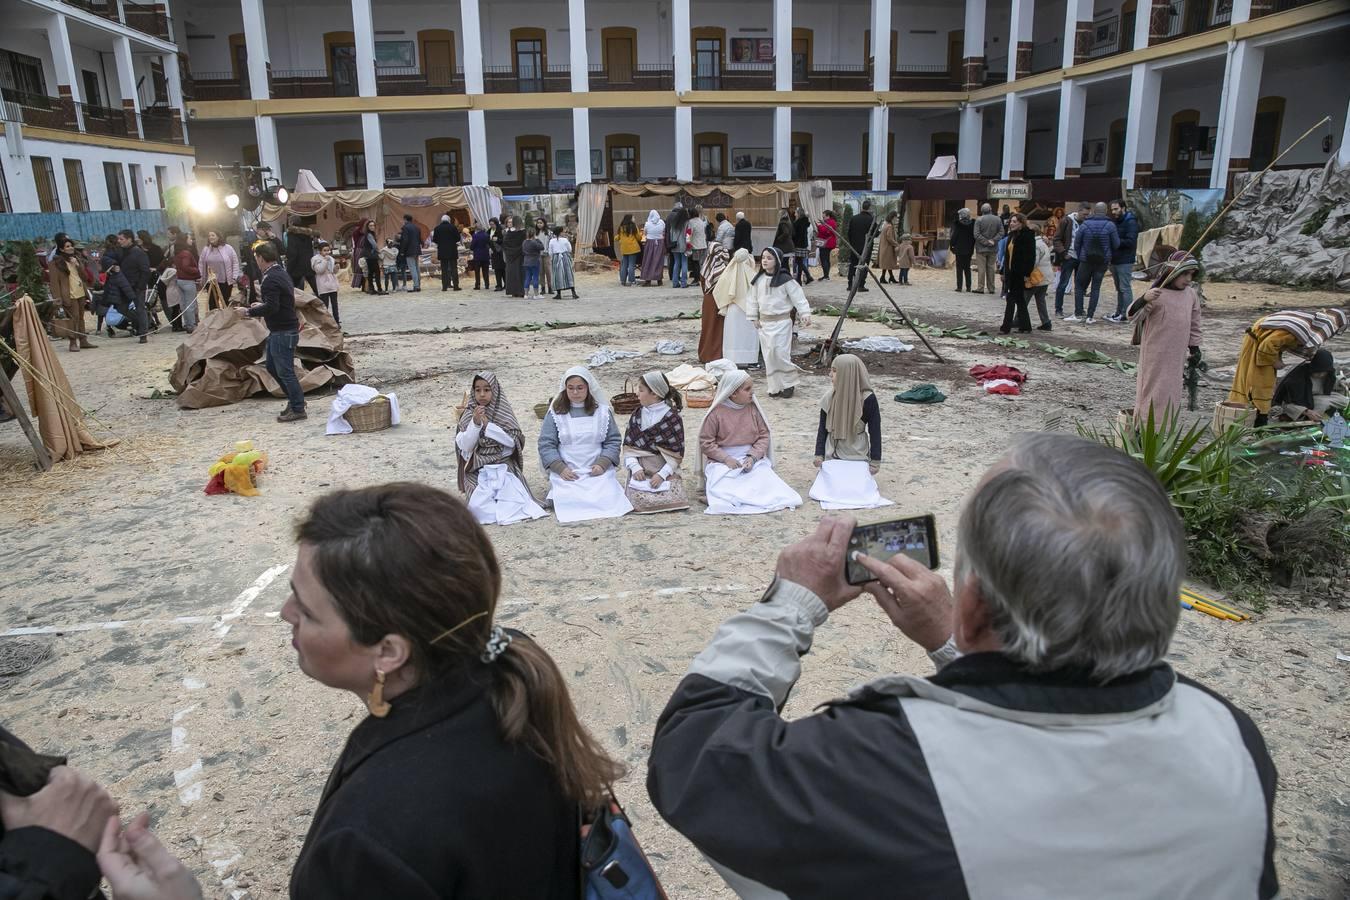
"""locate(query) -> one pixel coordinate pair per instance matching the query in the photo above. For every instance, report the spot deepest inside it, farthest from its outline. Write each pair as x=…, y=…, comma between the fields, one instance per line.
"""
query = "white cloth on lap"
x=847, y=484
x=580, y=442
x=501, y=498
x=735, y=492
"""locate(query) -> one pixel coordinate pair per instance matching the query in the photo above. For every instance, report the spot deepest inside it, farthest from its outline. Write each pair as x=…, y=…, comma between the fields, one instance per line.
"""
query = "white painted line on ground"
x=188, y=782
x=246, y=598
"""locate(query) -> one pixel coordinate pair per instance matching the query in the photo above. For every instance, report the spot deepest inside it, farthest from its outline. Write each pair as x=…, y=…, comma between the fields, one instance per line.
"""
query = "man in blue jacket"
x=410, y=250
x=1095, y=244
x=1122, y=261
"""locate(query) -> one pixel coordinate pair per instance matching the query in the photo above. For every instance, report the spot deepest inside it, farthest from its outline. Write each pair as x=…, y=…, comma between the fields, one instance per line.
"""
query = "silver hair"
x=986, y=209
x=1078, y=556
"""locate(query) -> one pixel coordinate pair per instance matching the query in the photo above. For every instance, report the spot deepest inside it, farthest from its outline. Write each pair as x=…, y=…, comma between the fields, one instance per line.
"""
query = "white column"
x=1142, y=16
x=974, y=35
x=684, y=142
x=1075, y=11
x=581, y=143
x=23, y=195
x=877, y=145
x=1237, y=110
x=581, y=79
x=363, y=26
x=479, y=171
x=782, y=45
x=1141, y=126
x=1014, y=135
x=1343, y=155
x=684, y=58
x=472, y=30
x=126, y=77
x=882, y=64
x=1242, y=12
x=373, y=140
x=269, y=153
x=970, y=142
x=255, y=40
x=1019, y=32
x=175, y=84
x=782, y=143
x=1069, y=144
x=63, y=61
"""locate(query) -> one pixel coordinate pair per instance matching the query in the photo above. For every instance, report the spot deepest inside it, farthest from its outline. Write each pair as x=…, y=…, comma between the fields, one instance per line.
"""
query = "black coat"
x=742, y=239
x=858, y=228
x=801, y=233
x=430, y=802
x=1021, y=254
x=410, y=240
x=782, y=238
x=963, y=237
x=446, y=238
x=135, y=266
x=42, y=865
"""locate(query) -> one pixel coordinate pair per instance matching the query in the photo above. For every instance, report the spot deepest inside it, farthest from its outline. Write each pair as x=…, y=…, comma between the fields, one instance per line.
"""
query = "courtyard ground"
x=173, y=682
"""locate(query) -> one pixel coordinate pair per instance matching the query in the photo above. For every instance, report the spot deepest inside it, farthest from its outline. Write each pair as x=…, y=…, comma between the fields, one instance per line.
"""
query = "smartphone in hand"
x=915, y=537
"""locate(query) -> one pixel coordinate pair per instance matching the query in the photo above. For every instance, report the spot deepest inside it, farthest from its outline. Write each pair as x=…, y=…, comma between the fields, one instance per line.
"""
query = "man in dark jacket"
x=262, y=234
x=1045, y=726
x=859, y=227
x=446, y=238
x=277, y=309
x=1065, y=255
x=1095, y=244
x=801, y=247
x=134, y=265
x=49, y=837
x=1122, y=261
x=410, y=251
x=963, y=246
x=742, y=239
x=300, y=252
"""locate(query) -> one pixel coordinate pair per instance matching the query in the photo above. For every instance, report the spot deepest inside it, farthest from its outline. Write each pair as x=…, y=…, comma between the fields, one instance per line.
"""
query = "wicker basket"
x=541, y=409
x=1227, y=414
x=626, y=403
x=698, y=399
x=373, y=416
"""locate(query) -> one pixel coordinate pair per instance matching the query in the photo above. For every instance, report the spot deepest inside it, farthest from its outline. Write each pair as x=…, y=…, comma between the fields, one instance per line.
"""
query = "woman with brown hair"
x=71, y=288
x=1020, y=264
x=466, y=778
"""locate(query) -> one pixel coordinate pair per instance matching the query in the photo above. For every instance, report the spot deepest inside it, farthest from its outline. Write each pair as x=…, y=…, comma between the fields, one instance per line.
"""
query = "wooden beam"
x=44, y=459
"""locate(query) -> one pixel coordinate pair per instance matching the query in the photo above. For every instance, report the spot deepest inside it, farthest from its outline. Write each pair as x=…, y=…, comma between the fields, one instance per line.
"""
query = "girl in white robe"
x=740, y=341
x=490, y=456
x=579, y=450
x=848, y=440
x=735, y=454
x=774, y=296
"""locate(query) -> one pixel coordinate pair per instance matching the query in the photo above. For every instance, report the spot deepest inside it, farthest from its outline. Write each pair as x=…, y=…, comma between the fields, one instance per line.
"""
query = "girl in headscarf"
x=710, y=322
x=654, y=250
x=579, y=449
x=491, y=457
x=1302, y=332
x=848, y=440
x=1167, y=327
x=735, y=454
x=653, y=448
x=774, y=297
x=740, y=341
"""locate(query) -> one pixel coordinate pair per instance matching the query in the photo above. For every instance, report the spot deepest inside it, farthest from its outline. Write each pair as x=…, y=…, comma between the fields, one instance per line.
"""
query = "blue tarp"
x=82, y=226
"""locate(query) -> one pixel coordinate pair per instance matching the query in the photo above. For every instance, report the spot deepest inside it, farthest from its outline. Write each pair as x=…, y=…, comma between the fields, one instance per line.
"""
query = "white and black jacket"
x=983, y=781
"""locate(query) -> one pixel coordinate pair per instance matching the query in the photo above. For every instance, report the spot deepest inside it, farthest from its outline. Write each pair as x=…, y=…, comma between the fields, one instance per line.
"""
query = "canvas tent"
x=335, y=212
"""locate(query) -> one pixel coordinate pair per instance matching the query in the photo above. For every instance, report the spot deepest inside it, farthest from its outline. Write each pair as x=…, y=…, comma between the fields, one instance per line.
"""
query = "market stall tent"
x=335, y=213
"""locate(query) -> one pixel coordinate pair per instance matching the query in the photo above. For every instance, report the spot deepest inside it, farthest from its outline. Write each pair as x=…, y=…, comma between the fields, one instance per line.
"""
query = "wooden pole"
x=44, y=459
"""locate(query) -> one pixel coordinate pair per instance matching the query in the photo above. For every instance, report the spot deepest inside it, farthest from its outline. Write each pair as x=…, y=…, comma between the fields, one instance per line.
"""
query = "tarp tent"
x=335, y=212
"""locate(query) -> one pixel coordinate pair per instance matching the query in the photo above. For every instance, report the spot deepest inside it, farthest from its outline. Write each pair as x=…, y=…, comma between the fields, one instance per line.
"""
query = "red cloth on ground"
x=1011, y=390
x=989, y=373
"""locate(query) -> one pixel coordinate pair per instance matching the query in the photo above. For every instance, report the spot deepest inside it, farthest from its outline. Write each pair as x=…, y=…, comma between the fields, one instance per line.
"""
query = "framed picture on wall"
x=742, y=50
x=395, y=54
x=1094, y=153
x=752, y=161
x=564, y=162
x=404, y=167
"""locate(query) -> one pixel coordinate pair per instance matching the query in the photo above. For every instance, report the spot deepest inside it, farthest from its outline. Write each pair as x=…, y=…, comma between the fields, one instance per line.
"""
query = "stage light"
x=202, y=199
x=282, y=195
x=231, y=201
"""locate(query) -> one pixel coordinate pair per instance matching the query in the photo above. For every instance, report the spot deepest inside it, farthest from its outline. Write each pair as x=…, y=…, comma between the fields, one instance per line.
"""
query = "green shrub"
x=1316, y=220
x=28, y=275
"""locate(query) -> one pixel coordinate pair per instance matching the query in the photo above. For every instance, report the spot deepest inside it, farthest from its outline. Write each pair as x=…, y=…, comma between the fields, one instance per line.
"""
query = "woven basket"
x=1227, y=414
x=373, y=416
x=541, y=409
x=626, y=403
x=698, y=399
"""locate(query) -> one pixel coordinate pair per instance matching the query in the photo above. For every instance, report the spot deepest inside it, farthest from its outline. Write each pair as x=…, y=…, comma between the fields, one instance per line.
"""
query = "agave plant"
x=1176, y=455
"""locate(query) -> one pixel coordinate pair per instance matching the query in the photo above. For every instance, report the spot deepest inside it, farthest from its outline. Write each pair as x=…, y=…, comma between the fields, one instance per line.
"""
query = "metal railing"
x=833, y=78
x=105, y=120
x=1286, y=5
x=304, y=83
x=747, y=76
x=216, y=86
x=1109, y=48
x=36, y=109
x=506, y=80
x=148, y=19
x=157, y=124
x=642, y=77
x=105, y=8
x=1046, y=57
x=925, y=77
x=1188, y=17
x=410, y=81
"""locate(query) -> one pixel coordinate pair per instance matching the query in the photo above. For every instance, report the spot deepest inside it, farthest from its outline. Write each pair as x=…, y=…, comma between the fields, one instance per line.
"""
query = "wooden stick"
x=44, y=458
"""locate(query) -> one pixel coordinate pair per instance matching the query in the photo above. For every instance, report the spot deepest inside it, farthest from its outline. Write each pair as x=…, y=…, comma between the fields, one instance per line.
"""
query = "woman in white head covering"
x=579, y=449
x=774, y=297
x=654, y=250
x=491, y=457
x=735, y=454
x=740, y=341
x=653, y=448
x=848, y=440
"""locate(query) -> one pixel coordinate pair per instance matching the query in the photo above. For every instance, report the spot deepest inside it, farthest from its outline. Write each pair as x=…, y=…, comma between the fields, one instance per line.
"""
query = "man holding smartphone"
x=1047, y=757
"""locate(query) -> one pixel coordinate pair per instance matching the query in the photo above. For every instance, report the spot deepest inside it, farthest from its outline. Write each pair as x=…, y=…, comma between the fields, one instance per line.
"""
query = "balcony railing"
x=996, y=70
x=507, y=80
x=748, y=76
x=216, y=86
x=1046, y=57
x=642, y=77
x=1188, y=17
x=105, y=120
x=148, y=19
x=412, y=81
x=1285, y=5
x=924, y=77
x=157, y=124
x=105, y=8
x=36, y=109
x=290, y=84
x=834, y=78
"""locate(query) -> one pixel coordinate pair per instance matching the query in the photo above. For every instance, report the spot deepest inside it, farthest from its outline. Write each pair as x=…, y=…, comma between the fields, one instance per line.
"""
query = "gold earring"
x=375, y=702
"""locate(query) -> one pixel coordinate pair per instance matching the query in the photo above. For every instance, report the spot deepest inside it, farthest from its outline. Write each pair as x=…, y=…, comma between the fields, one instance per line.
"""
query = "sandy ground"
x=173, y=681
